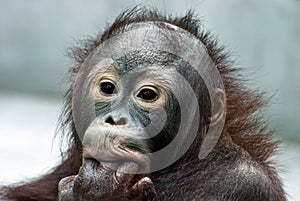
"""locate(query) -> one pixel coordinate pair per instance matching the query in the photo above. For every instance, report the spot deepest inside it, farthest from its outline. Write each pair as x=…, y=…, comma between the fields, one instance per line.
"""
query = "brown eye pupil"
x=147, y=94
x=107, y=87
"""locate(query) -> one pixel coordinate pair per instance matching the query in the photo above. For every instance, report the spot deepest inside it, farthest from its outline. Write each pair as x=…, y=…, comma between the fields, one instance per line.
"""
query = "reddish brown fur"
x=245, y=126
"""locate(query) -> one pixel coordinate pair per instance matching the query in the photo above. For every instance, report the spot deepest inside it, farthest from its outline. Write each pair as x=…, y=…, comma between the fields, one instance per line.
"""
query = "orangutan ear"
x=221, y=107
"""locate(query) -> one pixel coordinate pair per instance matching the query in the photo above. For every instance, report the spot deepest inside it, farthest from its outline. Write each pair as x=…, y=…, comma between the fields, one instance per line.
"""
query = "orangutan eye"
x=107, y=87
x=147, y=94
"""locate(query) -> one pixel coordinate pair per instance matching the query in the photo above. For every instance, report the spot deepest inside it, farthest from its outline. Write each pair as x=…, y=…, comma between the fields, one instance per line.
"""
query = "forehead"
x=148, y=43
x=141, y=45
x=138, y=61
x=153, y=44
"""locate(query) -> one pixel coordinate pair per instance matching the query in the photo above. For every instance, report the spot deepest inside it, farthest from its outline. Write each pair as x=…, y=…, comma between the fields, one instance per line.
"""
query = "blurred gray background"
x=263, y=36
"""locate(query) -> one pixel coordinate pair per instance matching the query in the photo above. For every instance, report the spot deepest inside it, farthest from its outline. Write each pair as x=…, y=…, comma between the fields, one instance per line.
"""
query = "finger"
x=65, y=189
x=122, y=175
x=143, y=189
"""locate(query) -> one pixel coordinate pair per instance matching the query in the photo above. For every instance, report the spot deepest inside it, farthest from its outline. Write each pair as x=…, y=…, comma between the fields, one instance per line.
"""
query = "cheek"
x=139, y=116
x=160, y=124
x=103, y=108
x=170, y=127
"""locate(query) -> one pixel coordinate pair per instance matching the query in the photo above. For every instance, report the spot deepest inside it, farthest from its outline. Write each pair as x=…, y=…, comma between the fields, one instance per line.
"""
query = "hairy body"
x=107, y=156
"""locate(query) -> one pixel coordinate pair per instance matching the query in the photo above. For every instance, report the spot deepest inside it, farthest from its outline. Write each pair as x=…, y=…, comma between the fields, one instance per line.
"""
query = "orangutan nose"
x=116, y=121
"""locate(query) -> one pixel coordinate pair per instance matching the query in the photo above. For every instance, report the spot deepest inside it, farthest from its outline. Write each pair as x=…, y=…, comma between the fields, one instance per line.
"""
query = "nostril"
x=110, y=120
x=119, y=122
x=122, y=121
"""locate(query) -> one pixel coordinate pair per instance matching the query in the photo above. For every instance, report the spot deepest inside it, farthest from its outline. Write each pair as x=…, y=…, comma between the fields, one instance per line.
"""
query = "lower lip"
x=113, y=161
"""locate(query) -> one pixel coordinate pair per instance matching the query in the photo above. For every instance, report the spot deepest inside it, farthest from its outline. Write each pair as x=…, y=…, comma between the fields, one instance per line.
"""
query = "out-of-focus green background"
x=263, y=36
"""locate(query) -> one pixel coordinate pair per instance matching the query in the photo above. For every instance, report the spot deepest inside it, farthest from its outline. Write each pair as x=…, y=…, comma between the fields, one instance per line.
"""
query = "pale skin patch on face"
x=153, y=81
x=157, y=102
x=157, y=80
x=109, y=74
